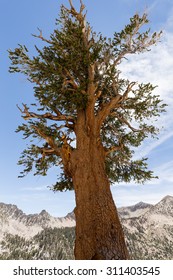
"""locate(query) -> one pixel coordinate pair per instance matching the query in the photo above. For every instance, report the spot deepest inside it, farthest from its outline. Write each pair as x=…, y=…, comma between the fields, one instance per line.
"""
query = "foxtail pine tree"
x=88, y=119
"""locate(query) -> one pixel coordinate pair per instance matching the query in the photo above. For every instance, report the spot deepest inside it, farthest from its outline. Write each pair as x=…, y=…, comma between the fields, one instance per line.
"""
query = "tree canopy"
x=74, y=61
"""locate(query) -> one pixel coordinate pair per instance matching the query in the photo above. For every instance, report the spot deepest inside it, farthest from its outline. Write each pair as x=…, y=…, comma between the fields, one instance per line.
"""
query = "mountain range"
x=148, y=231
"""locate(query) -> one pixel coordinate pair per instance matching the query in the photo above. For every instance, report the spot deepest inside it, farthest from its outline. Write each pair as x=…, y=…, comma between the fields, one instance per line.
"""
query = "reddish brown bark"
x=99, y=234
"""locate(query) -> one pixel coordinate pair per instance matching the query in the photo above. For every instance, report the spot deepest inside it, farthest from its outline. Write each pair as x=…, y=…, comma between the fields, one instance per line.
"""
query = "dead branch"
x=40, y=36
x=128, y=89
x=82, y=21
x=82, y=7
x=73, y=11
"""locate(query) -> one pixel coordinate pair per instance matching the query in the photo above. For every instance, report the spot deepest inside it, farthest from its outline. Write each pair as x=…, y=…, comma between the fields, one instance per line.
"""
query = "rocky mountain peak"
x=164, y=207
x=167, y=199
x=44, y=213
x=15, y=221
x=70, y=215
x=139, y=205
x=10, y=210
x=134, y=210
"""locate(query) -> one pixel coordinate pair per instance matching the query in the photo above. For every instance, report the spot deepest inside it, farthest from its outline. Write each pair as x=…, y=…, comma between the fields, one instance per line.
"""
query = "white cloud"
x=155, y=67
x=148, y=146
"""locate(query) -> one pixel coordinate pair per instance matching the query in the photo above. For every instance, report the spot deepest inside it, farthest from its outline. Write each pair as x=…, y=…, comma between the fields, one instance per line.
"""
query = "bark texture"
x=99, y=234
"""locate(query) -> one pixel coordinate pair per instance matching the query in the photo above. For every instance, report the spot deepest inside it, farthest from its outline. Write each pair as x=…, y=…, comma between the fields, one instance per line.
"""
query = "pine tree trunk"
x=99, y=233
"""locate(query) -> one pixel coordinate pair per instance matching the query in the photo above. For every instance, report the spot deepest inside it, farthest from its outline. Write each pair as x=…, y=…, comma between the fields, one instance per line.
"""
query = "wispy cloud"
x=155, y=67
x=149, y=145
x=165, y=171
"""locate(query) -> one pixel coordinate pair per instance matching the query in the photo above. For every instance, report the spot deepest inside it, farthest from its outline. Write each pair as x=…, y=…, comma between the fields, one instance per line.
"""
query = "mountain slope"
x=150, y=236
x=14, y=221
x=148, y=231
x=49, y=244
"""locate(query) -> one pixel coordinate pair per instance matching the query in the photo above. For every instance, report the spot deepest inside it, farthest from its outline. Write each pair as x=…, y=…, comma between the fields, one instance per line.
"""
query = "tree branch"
x=46, y=152
x=135, y=44
x=115, y=102
x=59, y=117
x=113, y=149
x=73, y=11
x=69, y=79
x=98, y=94
x=102, y=115
x=82, y=7
x=81, y=18
x=48, y=139
x=129, y=88
x=40, y=36
x=123, y=120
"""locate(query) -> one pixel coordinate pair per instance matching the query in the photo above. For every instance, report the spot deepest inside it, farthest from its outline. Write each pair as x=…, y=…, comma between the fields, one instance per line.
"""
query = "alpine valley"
x=148, y=230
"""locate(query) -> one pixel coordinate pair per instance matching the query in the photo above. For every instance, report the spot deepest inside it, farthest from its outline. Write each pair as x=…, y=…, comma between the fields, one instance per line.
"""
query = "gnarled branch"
x=81, y=19
x=73, y=11
x=48, y=139
x=128, y=89
x=46, y=152
x=40, y=36
x=59, y=117
x=69, y=79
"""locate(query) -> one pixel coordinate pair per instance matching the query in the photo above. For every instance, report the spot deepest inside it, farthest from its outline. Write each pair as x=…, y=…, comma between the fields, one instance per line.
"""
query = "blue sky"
x=18, y=20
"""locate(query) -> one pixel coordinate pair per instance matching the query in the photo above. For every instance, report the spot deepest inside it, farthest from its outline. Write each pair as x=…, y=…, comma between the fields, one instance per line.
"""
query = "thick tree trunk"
x=99, y=234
